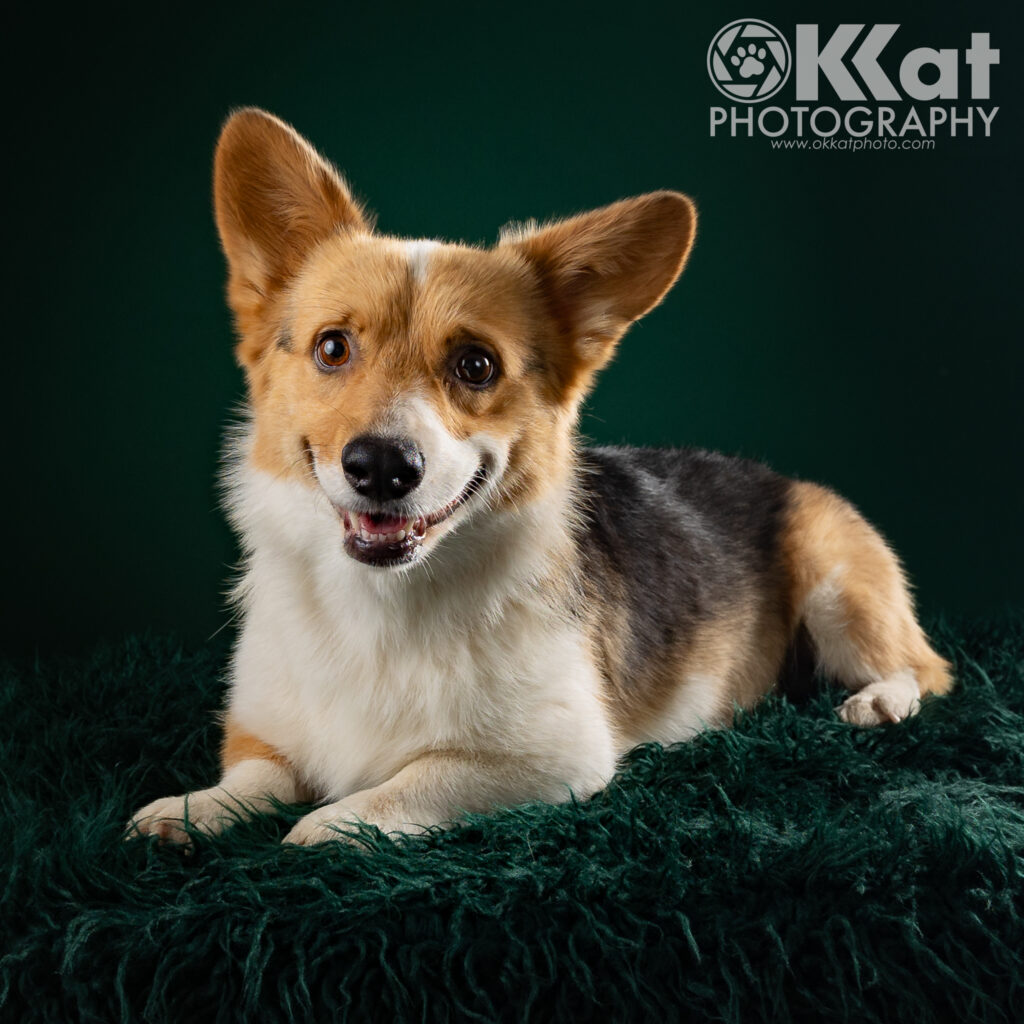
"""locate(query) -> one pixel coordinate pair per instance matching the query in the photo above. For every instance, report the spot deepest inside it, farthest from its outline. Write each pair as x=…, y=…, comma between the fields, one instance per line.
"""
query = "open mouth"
x=379, y=538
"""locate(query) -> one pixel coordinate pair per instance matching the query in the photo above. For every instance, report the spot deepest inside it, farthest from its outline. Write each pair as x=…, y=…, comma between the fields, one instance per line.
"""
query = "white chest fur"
x=351, y=671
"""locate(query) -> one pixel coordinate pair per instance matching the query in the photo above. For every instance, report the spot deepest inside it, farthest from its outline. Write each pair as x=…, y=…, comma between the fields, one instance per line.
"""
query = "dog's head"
x=416, y=381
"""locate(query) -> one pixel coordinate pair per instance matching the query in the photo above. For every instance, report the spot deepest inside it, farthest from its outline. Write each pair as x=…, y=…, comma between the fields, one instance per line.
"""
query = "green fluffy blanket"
x=793, y=868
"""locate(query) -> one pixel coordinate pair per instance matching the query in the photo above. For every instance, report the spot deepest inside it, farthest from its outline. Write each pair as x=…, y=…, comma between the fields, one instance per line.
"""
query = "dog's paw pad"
x=750, y=60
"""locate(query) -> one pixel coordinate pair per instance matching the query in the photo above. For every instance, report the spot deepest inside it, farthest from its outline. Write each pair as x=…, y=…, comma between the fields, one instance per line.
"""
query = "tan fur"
x=238, y=745
x=743, y=648
x=754, y=639
x=826, y=543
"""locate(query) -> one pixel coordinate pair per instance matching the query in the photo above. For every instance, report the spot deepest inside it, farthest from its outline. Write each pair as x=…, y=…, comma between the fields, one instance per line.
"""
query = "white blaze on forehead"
x=418, y=253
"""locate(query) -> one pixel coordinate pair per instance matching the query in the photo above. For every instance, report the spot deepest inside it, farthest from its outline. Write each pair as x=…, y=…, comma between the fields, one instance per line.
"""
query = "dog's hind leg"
x=849, y=591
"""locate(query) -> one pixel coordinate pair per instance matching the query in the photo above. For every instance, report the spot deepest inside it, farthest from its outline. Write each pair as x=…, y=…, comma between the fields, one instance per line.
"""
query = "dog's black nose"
x=382, y=468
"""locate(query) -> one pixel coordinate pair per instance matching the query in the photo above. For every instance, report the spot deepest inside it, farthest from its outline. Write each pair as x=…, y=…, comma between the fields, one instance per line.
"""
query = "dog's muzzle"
x=386, y=539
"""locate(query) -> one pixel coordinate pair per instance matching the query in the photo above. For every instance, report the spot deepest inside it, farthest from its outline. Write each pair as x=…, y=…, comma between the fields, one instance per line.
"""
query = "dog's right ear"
x=275, y=198
x=600, y=271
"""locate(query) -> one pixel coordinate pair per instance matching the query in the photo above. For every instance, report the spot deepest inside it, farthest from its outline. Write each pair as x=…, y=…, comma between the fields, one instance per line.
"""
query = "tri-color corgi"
x=449, y=604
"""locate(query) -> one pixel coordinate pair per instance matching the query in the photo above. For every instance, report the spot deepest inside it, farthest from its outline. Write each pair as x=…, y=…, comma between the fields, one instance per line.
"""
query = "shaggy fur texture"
x=792, y=868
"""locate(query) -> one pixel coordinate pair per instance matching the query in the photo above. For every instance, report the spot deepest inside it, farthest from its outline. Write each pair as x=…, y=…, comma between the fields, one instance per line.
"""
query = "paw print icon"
x=749, y=60
x=748, y=64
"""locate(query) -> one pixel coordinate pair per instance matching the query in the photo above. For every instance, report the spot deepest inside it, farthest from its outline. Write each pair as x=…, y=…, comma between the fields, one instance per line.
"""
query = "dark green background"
x=853, y=318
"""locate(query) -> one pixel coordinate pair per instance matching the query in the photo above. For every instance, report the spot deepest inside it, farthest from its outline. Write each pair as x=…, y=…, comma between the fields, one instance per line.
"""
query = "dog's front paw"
x=206, y=810
x=332, y=821
x=342, y=820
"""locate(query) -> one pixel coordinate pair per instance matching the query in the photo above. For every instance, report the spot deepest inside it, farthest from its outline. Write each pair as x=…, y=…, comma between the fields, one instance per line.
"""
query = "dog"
x=449, y=604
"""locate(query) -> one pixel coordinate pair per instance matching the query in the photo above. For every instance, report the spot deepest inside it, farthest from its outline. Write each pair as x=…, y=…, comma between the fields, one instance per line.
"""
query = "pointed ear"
x=275, y=198
x=604, y=269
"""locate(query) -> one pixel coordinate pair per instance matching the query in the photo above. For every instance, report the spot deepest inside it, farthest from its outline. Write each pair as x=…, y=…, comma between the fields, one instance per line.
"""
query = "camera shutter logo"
x=749, y=60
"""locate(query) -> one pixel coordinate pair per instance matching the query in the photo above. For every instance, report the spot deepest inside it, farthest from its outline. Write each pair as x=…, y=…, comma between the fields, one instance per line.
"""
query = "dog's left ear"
x=275, y=199
x=602, y=270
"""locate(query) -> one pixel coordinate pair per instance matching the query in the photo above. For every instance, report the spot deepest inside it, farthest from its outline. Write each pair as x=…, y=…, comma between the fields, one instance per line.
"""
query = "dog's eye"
x=476, y=368
x=332, y=350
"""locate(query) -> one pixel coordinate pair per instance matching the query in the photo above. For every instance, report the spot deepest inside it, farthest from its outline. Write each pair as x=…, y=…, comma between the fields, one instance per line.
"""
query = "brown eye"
x=476, y=368
x=332, y=350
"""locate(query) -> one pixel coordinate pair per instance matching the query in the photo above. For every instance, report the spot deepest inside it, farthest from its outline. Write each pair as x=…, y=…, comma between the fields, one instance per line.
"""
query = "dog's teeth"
x=373, y=534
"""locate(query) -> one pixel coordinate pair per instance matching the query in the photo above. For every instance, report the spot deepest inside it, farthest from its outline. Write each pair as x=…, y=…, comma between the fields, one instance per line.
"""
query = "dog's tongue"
x=381, y=524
